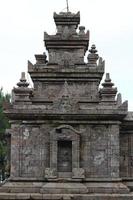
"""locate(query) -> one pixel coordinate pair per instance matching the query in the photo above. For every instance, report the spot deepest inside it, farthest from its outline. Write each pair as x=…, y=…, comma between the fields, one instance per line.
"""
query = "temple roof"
x=67, y=18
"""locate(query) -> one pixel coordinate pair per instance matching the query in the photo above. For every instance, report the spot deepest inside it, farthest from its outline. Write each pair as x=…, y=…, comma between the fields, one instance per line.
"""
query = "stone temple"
x=70, y=137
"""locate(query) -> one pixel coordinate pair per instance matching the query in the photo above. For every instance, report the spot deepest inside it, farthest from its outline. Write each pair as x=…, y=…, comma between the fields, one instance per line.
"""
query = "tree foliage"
x=4, y=124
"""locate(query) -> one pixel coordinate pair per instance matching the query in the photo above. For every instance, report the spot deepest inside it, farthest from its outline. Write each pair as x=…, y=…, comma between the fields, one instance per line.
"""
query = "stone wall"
x=126, y=152
x=98, y=149
x=29, y=150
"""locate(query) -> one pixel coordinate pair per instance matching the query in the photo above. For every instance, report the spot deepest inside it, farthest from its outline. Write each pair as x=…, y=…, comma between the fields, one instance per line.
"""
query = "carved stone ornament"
x=26, y=134
x=78, y=173
x=65, y=101
x=65, y=105
x=50, y=173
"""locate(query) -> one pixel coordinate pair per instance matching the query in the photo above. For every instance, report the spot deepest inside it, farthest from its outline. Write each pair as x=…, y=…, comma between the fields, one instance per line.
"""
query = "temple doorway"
x=64, y=156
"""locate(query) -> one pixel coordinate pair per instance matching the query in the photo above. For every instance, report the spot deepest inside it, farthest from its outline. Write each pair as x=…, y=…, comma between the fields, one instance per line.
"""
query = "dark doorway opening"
x=64, y=156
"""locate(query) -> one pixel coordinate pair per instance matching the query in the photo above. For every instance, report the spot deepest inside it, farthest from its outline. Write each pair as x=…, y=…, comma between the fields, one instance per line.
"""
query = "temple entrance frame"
x=64, y=133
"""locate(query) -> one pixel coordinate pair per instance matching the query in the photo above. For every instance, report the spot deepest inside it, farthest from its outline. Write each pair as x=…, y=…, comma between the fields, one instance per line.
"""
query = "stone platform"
x=64, y=187
x=66, y=191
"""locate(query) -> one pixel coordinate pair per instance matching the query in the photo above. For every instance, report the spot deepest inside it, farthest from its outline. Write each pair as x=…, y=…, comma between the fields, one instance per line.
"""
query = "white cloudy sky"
x=22, y=23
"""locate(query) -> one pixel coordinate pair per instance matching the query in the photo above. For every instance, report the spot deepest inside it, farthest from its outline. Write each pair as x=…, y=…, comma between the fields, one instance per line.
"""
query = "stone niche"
x=64, y=154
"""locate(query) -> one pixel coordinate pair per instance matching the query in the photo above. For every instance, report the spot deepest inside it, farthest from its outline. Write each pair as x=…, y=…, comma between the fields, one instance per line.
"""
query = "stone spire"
x=119, y=99
x=108, y=92
x=22, y=93
x=67, y=5
x=107, y=83
x=93, y=56
x=23, y=82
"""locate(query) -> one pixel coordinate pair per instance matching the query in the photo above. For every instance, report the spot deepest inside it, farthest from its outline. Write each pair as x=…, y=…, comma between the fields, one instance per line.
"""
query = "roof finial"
x=67, y=5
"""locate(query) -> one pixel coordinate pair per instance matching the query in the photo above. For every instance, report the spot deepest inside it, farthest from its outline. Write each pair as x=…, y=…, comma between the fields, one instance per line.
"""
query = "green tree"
x=4, y=100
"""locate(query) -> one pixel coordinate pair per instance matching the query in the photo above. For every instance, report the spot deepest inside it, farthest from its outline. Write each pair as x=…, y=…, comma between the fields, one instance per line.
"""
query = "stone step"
x=38, y=196
x=64, y=188
x=107, y=187
x=21, y=187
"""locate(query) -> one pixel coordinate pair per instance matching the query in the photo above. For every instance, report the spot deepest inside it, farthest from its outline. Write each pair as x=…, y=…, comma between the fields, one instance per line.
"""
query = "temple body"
x=68, y=133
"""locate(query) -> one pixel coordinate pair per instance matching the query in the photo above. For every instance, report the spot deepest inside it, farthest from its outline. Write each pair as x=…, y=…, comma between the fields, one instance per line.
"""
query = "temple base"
x=65, y=190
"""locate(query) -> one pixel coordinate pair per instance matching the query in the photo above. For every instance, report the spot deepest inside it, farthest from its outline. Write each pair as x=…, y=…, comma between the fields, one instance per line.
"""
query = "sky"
x=110, y=22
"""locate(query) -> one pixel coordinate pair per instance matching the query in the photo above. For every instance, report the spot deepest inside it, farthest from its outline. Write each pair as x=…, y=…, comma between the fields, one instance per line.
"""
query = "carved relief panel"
x=30, y=151
x=66, y=58
x=33, y=151
x=100, y=151
x=53, y=91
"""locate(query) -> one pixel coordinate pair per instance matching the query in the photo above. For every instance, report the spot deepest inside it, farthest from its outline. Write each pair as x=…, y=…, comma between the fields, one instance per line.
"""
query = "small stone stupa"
x=70, y=138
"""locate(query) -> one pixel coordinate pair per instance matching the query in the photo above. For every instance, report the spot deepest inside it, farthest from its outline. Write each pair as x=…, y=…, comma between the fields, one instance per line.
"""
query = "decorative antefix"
x=69, y=136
